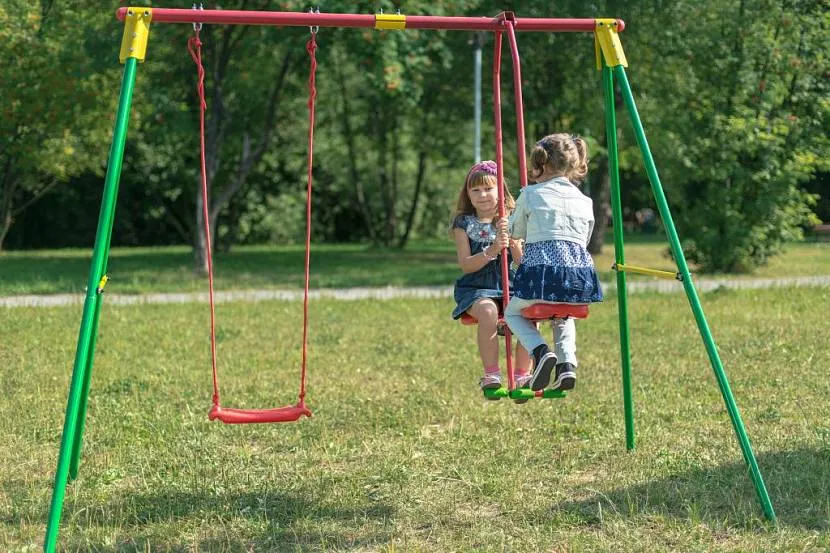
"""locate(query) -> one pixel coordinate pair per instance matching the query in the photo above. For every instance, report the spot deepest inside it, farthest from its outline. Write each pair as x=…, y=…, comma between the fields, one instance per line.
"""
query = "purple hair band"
x=488, y=166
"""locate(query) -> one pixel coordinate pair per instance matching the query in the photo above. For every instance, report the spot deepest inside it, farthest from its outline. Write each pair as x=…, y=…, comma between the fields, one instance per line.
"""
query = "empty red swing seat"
x=288, y=413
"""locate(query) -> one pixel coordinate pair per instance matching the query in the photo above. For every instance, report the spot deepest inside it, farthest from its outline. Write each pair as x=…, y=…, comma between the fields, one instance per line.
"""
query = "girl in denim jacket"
x=556, y=221
x=479, y=239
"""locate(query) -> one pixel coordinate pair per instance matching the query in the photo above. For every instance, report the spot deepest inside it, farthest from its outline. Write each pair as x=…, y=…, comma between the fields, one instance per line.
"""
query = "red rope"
x=505, y=273
x=194, y=46
x=311, y=47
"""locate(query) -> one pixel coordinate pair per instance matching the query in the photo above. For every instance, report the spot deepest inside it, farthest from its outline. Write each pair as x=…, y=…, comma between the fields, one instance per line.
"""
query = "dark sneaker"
x=544, y=361
x=565, y=377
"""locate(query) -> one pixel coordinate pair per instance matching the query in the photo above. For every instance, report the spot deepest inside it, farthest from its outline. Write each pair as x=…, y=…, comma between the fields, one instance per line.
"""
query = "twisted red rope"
x=311, y=48
x=194, y=46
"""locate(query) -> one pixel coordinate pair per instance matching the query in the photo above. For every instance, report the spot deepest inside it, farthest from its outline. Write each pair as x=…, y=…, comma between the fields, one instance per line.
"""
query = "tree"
x=53, y=122
x=745, y=123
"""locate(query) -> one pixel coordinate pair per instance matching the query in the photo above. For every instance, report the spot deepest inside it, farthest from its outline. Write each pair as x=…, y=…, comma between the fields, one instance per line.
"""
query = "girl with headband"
x=480, y=236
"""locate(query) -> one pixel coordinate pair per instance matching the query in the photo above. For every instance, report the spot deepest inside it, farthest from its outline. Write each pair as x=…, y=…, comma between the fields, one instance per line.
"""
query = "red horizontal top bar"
x=301, y=19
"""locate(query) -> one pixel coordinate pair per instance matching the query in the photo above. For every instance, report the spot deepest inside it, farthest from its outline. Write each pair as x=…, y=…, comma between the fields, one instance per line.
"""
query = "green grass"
x=402, y=453
x=145, y=270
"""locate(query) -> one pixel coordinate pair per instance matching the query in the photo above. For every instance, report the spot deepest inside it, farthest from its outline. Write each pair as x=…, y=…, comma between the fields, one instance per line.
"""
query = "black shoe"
x=565, y=377
x=544, y=361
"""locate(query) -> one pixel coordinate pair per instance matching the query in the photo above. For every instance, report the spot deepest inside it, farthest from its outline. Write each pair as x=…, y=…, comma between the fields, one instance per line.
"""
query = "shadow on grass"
x=798, y=483
x=274, y=522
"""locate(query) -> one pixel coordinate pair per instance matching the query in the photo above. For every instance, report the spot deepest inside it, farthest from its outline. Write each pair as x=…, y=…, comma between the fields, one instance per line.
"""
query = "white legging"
x=564, y=331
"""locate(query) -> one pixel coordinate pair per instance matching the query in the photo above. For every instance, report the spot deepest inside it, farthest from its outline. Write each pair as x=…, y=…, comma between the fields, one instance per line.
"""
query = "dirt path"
x=387, y=293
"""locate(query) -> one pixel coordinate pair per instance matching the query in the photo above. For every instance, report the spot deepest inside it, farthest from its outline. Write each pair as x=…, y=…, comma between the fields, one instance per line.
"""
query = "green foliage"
x=744, y=124
x=736, y=114
x=53, y=115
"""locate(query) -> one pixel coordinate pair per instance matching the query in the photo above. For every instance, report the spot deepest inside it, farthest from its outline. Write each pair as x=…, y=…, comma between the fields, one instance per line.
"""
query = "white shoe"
x=490, y=381
x=523, y=381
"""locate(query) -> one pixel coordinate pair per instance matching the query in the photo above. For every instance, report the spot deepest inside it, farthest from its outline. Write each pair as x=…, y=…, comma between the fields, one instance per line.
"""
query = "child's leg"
x=543, y=359
x=522, y=360
x=525, y=330
x=564, y=340
x=487, y=313
x=521, y=367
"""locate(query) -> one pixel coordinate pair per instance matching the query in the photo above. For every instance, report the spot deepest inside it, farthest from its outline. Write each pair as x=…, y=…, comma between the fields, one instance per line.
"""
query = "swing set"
x=610, y=60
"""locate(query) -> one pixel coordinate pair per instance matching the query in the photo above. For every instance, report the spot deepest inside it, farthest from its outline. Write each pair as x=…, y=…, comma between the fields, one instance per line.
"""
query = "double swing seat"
x=541, y=312
x=538, y=312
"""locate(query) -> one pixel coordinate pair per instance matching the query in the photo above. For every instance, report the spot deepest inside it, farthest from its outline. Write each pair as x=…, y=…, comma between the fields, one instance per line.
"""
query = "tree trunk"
x=216, y=128
x=352, y=153
x=7, y=192
x=419, y=178
x=4, y=230
x=200, y=265
x=601, y=195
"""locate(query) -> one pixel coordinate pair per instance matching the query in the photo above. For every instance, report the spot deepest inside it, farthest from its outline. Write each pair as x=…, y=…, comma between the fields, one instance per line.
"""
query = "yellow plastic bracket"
x=607, y=41
x=136, y=31
x=102, y=283
x=644, y=271
x=388, y=21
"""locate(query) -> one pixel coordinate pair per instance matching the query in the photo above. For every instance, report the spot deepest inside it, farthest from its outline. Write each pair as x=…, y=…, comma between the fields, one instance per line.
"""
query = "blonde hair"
x=463, y=206
x=564, y=154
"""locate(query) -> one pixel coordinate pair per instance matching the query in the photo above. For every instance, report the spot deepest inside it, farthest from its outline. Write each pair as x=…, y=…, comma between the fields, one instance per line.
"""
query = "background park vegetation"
x=737, y=116
x=403, y=454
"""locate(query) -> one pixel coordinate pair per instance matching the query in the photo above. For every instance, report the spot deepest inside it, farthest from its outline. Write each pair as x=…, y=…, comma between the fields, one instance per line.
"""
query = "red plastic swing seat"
x=543, y=312
x=289, y=413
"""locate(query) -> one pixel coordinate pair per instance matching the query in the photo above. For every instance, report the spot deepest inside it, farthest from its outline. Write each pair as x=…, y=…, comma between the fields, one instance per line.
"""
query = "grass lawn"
x=145, y=270
x=402, y=453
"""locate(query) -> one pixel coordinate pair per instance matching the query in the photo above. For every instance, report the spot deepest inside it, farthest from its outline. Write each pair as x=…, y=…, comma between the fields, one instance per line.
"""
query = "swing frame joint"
x=101, y=284
x=607, y=45
x=507, y=17
x=136, y=32
x=390, y=21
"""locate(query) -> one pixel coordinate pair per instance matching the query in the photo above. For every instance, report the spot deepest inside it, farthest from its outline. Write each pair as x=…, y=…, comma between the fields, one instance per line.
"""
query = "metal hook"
x=314, y=28
x=197, y=26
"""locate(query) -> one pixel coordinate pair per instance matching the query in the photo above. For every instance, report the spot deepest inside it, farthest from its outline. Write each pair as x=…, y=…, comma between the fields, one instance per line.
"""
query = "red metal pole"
x=302, y=19
x=505, y=274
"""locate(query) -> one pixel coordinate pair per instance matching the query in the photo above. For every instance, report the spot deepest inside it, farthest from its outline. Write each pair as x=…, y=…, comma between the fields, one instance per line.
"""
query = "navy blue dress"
x=559, y=271
x=486, y=282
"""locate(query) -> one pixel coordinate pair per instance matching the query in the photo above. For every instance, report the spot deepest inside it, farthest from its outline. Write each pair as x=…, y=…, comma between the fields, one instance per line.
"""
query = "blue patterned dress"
x=486, y=282
x=559, y=271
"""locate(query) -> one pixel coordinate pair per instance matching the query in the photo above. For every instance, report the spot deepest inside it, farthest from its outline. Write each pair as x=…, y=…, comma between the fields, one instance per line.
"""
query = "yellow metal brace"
x=607, y=40
x=136, y=31
x=643, y=271
x=388, y=21
x=102, y=283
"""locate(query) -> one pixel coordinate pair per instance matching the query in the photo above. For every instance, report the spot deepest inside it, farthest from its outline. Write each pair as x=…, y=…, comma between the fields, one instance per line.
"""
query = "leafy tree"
x=53, y=121
x=746, y=122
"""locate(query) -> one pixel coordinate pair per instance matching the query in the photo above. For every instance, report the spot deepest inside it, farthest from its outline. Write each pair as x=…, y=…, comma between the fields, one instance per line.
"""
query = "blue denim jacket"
x=553, y=210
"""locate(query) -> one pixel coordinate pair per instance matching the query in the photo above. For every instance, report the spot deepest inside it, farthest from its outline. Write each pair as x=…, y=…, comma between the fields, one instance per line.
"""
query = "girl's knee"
x=485, y=310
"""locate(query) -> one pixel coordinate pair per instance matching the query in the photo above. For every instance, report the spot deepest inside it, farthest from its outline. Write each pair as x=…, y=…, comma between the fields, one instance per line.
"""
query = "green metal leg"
x=694, y=301
x=619, y=250
x=75, y=459
x=72, y=430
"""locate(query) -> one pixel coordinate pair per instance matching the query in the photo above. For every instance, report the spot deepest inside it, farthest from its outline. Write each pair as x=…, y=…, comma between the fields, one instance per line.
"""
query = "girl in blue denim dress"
x=479, y=239
x=556, y=221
